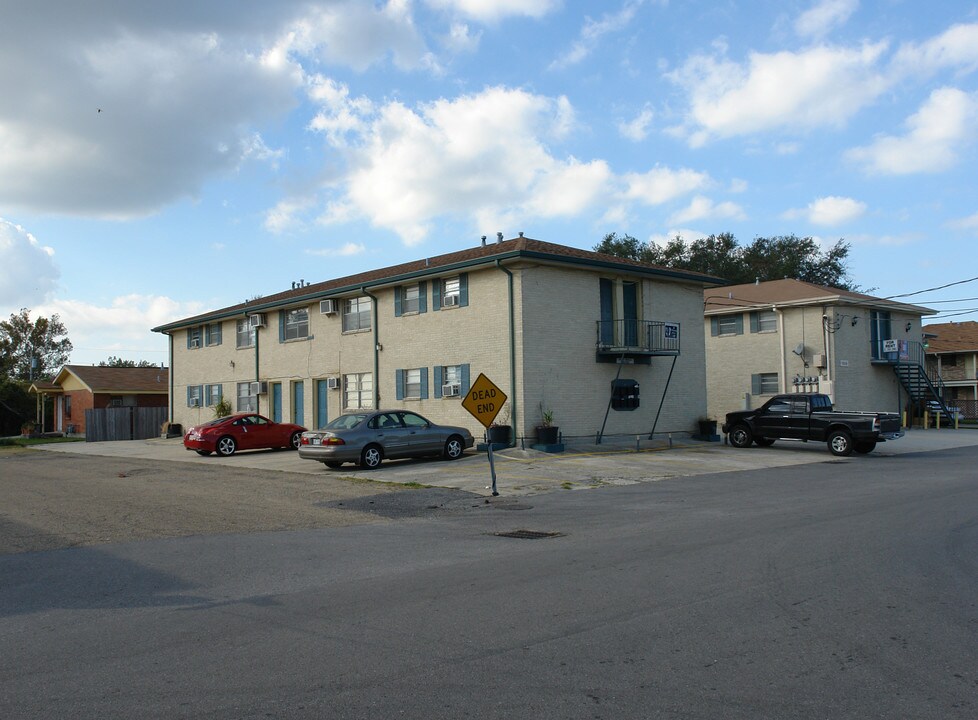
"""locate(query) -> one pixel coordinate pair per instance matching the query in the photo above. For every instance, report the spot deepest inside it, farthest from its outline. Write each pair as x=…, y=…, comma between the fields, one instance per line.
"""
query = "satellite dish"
x=799, y=349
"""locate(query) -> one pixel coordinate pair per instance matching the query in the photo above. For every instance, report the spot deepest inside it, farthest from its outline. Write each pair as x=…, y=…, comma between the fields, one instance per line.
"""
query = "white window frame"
x=412, y=384
x=244, y=334
x=357, y=314
x=451, y=287
x=297, y=324
x=768, y=383
x=246, y=401
x=213, y=394
x=358, y=391
x=410, y=299
x=193, y=393
x=732, y=322
x=767, y=321
x=212, y=334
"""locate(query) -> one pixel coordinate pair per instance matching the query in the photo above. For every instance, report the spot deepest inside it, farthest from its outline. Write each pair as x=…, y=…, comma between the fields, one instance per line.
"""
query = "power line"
x=939, y=287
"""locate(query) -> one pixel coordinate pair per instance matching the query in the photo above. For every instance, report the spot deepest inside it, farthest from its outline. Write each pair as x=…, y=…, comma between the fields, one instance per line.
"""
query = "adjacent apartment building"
x=609, y=345
x=789, y=335
x=952, y=353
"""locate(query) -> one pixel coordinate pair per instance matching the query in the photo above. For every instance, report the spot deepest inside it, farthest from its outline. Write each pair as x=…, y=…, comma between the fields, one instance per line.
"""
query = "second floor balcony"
x=637, y=340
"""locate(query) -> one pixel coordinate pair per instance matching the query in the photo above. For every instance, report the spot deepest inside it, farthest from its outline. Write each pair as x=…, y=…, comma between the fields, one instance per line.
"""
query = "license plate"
x=317, y=441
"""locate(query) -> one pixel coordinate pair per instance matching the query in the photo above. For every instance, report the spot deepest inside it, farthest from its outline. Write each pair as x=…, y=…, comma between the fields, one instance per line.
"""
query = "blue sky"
x=162, y=159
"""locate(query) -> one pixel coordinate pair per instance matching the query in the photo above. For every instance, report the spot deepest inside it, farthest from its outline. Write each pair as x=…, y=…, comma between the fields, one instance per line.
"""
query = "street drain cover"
x=528, y=534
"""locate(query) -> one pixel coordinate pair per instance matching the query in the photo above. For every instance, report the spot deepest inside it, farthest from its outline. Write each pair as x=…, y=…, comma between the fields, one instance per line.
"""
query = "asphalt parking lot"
x=527, y=472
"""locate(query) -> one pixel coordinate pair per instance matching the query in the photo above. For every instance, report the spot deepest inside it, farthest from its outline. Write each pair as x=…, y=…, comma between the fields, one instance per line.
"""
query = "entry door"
x=629, y=298
x=322, y=393
x=277, y=402
x=298, y=405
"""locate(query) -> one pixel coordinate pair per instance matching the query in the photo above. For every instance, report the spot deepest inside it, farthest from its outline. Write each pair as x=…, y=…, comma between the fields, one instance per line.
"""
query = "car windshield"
x=345, y=422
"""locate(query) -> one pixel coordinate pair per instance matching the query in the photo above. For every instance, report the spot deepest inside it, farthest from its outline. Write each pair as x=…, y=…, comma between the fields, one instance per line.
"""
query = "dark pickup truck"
x=809, y=416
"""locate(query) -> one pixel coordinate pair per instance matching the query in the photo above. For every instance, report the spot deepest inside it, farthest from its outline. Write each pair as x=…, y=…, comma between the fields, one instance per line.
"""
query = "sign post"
x=484, y=401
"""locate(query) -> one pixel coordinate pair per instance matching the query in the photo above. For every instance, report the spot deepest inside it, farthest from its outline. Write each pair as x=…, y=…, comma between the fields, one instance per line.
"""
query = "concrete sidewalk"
x=617, y=461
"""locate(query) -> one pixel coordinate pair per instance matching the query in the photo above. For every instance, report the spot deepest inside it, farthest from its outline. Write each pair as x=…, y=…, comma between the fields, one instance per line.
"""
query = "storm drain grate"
x=528, y=534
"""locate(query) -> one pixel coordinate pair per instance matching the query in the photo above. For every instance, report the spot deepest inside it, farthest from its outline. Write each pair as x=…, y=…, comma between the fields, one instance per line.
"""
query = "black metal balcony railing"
x=647, y=337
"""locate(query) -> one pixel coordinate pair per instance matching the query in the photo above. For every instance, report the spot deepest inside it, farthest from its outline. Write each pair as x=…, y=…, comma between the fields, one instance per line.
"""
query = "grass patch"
x=27, y=442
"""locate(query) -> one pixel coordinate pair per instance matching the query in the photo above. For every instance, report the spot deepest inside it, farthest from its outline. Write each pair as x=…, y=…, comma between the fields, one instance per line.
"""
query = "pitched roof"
x=517, y=248
x=119, y=380
x=952, y=337
x=789, y=292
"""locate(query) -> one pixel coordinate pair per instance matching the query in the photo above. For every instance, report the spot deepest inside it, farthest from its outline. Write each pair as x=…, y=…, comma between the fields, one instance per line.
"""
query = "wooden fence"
x=124, y=423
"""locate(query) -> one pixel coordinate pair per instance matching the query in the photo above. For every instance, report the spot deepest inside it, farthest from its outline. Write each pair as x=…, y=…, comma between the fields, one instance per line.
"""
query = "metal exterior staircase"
x=925, y=390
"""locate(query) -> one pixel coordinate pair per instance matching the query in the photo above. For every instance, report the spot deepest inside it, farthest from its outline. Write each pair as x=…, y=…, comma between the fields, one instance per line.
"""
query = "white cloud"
x=348, y=250
x=483, y=155
x=593, y=31
x=686, y=234
x=490, y=11
x=831, y=210
x=28, y=273
x=957, y=47
x=967, y=223
x=785, y=90
x=702, y=208
x=935, y=135
x=824, y=16
x=637, y=129
x=660, y=185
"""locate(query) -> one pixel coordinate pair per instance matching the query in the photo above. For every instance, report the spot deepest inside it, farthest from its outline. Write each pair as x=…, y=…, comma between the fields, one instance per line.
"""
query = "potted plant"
x=499, y=430
x=27, y=429
x=547, y=432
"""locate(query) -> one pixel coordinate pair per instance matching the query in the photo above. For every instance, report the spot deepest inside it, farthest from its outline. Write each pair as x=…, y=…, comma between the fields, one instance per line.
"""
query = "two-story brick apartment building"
x=952, y=354
x=789, y=335
x=554, y=327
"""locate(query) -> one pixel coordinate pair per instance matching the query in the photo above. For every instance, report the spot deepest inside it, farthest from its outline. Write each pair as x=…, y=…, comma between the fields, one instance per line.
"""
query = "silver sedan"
x=368, y=437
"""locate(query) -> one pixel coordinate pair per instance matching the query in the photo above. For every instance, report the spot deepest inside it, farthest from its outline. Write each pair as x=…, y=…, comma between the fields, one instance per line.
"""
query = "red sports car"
x=244, y=431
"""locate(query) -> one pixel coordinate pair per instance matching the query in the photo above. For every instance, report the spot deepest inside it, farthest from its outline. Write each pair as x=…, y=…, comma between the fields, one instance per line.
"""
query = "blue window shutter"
x=465, y=379
x=714, y=326
x=438, y=381
x=188, y=395
x=281, y=326
x=399, y=382
x=219, y=333
x=436, y=295
x=755, y=384
x=754, y=325
x=422, y=297
x=424, y=383
x=740, y=324
x=200, y=393
x=189, y=331
x=463, y=289
x=397, y=301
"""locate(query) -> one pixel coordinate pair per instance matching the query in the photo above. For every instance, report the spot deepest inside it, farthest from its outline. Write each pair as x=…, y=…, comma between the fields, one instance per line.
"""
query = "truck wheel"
x=764, y=442
x=840, y=443
x=740, y=436
x=865, y=447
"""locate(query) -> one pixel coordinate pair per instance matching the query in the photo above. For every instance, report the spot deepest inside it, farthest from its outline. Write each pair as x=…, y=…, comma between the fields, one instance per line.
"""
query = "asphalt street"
x=836, y=588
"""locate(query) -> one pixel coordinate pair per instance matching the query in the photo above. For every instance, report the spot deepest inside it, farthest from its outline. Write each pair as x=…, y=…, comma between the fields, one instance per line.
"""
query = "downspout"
x=783, y=375
x=828, y=352
x=257, y=372
x=376, y=323
x=170, y=337
x=512, y=345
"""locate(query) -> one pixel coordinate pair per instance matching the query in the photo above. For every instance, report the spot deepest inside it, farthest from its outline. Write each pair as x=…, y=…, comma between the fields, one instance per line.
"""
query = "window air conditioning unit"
x=449, y=301
x=195, y=343
x=194, y=402
x=256, y=321
x=327, y=307
x=333, y=383
x=451, y=390
x=258, y=388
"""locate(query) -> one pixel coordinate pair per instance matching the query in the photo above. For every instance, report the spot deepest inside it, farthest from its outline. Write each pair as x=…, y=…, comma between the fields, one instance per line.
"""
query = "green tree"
x=114, y=361
x=783, y=256
x=30, y=350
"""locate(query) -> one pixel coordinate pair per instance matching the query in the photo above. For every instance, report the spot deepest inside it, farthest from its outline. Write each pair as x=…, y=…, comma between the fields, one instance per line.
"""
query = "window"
x=727, y=325
x=212, y=334
x=451, y=292
x=412, y=384
x=356, y=314
x=67, y=406
x=295, y=324
x=451, y=381
x=764, y=383
x=762, y=321
x=246, y=401
x=621, y=304
x=949, y=360
x=212, y=394
x=244, y=334
x=358, y=391
x=194, y=397
x=193, y=337
x=410, y=299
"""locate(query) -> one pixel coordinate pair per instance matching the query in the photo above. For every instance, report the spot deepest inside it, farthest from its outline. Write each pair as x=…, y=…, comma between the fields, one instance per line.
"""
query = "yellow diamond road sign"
x=484, y=400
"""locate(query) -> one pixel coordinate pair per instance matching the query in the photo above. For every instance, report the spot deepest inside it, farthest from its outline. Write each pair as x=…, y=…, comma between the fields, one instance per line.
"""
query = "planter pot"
x=708, y=428
x=499, y=434
x=548, y=435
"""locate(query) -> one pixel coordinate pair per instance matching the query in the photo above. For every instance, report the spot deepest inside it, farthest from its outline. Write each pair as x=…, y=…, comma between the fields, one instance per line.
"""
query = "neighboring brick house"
x=548, y=324
x=788, y=335
x=77, y=388
x=952, y=353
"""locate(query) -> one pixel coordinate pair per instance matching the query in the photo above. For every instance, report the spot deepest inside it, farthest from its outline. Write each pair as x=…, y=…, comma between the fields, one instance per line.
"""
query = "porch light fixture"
x=908, y=326
x=854, y=319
